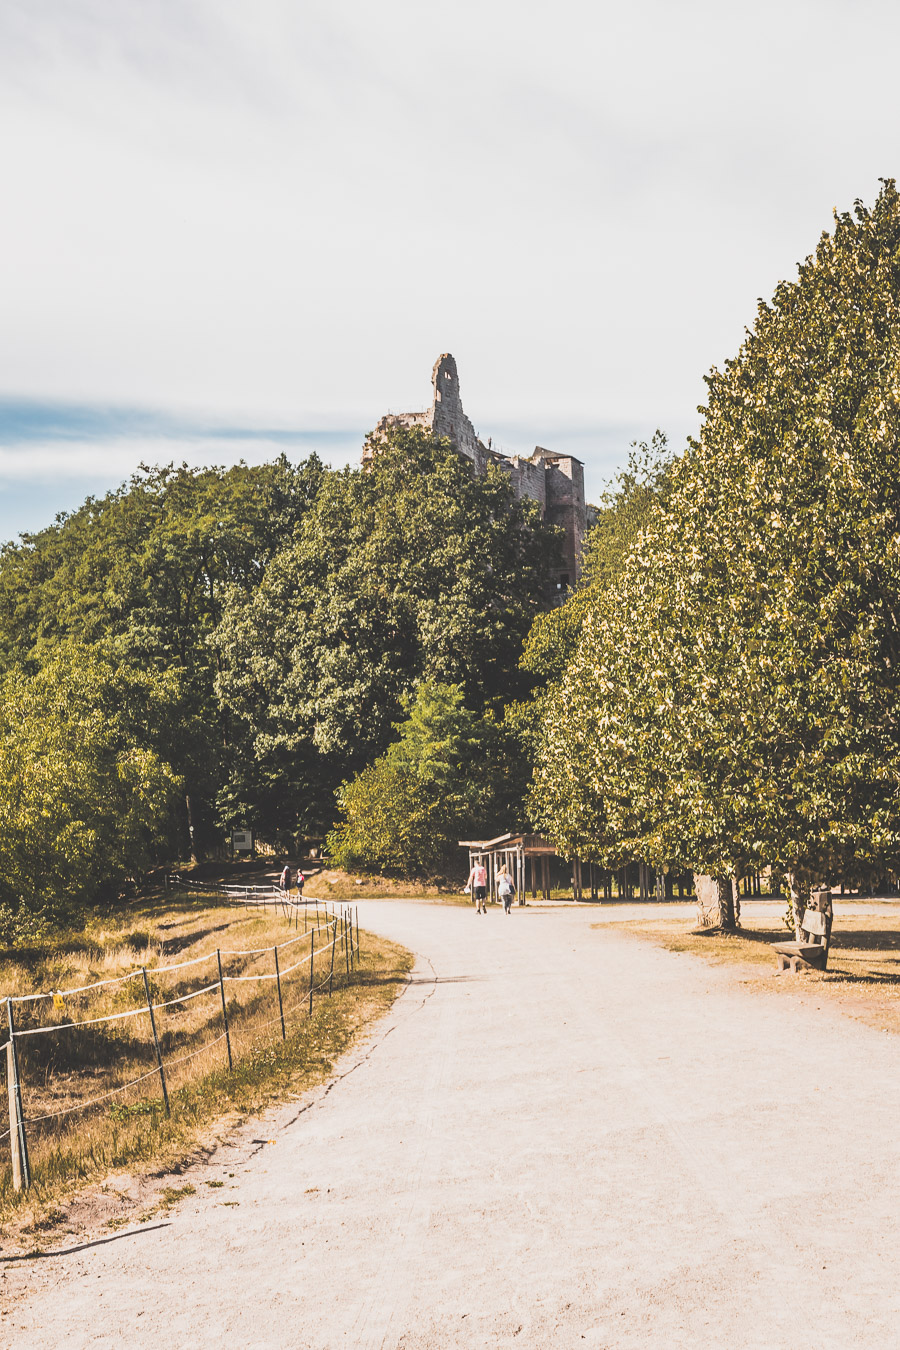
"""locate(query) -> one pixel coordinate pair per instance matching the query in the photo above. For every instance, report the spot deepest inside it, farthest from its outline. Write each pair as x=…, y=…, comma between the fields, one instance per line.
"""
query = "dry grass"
x=333, y=884
x=863, y=975
x=74, y=1066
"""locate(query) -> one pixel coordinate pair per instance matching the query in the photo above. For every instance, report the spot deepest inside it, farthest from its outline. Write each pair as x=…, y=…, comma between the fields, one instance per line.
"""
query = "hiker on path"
x=506, y=888
x=478, y=882
x=301, y=879
x=284, y=881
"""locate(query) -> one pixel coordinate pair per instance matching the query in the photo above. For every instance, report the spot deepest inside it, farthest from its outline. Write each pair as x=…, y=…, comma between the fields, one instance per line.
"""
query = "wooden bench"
x=811, y=954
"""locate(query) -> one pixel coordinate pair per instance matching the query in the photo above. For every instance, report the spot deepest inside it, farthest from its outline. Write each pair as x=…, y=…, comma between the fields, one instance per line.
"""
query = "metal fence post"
x=224, y=1009
x=278, y=985
x=312, y=957
x=17, y=1140
x=159, y=1063
x=333, y=945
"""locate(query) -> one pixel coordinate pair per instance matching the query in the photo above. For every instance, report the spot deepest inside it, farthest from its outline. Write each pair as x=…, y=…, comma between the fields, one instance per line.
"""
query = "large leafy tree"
x=553, y=640
x=85, y=802
x=450, y=772
x=142, y=574
x=734, y=698
x=411, y=568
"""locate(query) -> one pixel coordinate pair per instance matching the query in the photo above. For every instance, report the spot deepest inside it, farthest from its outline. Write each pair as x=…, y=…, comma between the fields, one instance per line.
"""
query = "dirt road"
x=560, y=1137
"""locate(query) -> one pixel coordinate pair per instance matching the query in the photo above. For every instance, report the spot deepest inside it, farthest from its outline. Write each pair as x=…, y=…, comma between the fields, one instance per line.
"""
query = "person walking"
x=506, y=888
x=301, y=880
x=478, y=882
x=284, y=881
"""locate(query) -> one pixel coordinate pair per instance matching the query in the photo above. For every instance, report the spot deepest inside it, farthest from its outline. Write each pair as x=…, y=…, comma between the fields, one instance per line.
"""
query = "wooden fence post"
x=312, y=957
x=18, y=1143
x=159, y=1063
x=278, y=985
x=333, y=945
x=224, y=1010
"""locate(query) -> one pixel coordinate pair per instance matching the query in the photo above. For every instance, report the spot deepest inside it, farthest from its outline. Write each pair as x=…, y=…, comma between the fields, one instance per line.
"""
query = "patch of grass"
x=72, y=1068
x=170, y=1195
x=863, y=975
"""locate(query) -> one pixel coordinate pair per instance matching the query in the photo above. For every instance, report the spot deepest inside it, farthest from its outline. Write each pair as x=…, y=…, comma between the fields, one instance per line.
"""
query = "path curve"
x=558, y=1137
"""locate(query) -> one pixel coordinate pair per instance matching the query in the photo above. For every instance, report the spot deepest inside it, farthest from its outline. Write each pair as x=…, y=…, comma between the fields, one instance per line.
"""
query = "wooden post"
x=159, y=1063
x=333, y=945
x=346, y=947
x=278, y=986
x=18, y=1143
x=312, y=959
x=224, y=1010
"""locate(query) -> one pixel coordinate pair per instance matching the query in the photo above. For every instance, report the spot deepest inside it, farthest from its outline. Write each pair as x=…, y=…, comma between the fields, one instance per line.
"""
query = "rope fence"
x=333, y=927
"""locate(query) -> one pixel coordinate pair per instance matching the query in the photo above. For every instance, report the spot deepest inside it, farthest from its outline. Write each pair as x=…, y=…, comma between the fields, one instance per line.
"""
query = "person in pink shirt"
x=478, y=882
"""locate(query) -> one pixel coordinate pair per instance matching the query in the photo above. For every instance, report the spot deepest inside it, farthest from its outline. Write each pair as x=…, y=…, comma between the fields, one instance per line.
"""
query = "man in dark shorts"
x=478, y=882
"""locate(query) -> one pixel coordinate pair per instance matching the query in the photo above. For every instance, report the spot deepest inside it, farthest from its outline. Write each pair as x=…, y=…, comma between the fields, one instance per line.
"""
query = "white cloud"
x=282, y=213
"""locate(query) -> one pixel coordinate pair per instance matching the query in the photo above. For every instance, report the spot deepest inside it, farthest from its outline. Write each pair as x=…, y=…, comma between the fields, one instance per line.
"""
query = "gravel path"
x=559, y=1137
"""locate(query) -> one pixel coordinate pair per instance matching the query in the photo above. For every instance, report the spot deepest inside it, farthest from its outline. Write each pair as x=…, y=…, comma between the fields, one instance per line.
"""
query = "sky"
x=232, y=230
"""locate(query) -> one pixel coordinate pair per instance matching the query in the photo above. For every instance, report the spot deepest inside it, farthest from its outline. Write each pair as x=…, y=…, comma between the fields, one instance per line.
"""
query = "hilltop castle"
x=555, y=482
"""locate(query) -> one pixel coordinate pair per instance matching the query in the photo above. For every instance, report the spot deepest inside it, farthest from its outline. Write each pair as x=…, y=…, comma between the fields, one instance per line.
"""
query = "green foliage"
x=554, y=636
x=450, y=772
x=409, y=569
x=734, y=697
x=143, y=574
x=84, y=802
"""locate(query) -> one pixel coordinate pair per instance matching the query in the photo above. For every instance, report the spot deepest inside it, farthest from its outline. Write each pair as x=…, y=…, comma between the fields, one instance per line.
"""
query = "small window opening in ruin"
x=563, y=583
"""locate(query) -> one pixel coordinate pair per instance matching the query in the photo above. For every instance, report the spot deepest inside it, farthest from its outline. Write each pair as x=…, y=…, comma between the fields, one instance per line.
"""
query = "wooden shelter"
x=522, y=853
x=527, y=857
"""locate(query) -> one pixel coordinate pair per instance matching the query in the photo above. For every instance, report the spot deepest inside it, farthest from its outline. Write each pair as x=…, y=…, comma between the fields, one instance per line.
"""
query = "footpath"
x=560, y=1136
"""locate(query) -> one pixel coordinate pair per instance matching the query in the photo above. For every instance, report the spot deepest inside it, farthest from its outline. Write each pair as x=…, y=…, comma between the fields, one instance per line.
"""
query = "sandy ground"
x=559, y=1137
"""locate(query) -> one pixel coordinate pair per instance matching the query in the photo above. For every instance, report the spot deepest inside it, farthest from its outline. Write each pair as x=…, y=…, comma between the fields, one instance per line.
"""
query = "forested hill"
x=247, y=639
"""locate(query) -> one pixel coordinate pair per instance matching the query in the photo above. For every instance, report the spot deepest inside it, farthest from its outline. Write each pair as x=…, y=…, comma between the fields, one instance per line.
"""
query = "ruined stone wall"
x=555, y=482
x=448, y=418
x=528, y=478
x=566, y=507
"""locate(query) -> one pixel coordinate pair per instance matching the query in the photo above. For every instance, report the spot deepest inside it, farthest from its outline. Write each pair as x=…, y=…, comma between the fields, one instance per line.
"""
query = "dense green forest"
x=202, y=649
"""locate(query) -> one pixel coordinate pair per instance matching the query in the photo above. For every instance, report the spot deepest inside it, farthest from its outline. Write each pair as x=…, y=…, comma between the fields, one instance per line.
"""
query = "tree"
x=735, y=702
x=450, y=772
x=554, y=636
x=409, y=569
x=142, y=574
x=84, y=802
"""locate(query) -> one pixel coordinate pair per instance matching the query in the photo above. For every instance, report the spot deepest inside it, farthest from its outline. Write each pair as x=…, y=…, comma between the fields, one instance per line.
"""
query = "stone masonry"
x=555, y=482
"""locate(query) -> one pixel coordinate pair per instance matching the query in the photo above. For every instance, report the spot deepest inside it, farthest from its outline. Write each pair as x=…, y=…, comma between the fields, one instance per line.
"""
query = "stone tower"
x=554, y=481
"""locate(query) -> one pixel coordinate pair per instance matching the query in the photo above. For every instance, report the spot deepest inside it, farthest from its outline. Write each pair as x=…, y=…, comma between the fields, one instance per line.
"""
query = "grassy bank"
x=863, y=975
x=74, y=1137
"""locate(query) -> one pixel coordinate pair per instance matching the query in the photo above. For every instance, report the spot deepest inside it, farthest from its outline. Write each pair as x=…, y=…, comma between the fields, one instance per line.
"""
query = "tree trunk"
x=190, y=821
x=799, y=893
x=715, y=899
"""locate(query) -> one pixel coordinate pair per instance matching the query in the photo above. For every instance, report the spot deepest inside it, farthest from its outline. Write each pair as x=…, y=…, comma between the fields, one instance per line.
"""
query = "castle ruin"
x=555, y=482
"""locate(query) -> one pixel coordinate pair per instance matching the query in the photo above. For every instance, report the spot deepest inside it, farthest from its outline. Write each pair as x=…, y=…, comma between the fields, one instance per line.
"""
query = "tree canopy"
x=448, y=772
x=733, y=699
x=85, y=802
x=410, y=569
